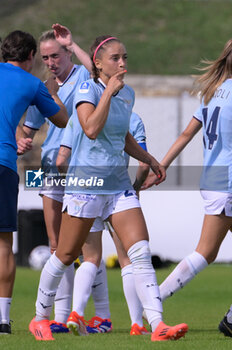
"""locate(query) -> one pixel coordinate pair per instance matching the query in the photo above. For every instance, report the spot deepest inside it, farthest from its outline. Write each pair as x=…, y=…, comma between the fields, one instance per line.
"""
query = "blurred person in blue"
x=101, y=187
x=214, y=117
x=19, y=90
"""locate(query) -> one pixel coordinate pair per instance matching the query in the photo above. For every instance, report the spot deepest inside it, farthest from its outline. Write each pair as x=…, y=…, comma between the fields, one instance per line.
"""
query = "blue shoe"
x=58, y=327
x=99, y=325
x=225, y=327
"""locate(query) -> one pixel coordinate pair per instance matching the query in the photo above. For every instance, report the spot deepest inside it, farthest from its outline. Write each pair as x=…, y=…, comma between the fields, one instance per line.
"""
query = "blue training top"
x=18, y=90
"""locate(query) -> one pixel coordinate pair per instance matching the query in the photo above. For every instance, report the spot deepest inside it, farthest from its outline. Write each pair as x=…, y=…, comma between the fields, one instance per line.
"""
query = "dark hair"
x=17, y=46
x=98, y=41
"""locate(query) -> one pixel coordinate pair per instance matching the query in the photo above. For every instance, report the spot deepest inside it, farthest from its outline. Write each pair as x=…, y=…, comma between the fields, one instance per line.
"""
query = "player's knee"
x=140, y=256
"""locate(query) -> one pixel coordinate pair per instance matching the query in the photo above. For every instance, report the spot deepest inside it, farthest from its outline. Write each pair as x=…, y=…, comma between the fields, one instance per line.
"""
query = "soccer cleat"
x=99, y=325
x=225, y=327
x=137, y=330
x=164, y=332
x=76, y=324
x=41, y=330
x=5, y=328
x=58, y=327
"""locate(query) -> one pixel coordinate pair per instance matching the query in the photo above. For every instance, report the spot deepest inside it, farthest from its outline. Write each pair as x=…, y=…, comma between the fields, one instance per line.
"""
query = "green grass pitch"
x=201, y=304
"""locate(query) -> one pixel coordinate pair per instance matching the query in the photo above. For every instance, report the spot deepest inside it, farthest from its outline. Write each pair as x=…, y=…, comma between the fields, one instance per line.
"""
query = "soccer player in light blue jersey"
x=56, y=49
x=214, y=116
x=19, y=89
x=101, y=187
x=92, y=252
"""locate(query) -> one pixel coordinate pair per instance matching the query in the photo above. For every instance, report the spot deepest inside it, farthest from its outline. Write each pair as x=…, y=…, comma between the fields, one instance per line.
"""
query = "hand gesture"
x=52, y=85
x=116, y=82
x=159, y=171
x=63, y=35
x=154, y=178
x=24, y=145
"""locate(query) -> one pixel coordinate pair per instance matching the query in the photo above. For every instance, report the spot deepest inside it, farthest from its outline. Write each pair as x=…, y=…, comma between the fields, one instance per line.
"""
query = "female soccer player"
x=92, y=251
x=98, y=185
x=56, y=49
x=215, y=117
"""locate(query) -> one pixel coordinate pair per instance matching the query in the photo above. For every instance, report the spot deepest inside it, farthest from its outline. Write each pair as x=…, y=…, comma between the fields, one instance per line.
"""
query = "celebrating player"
x=56, y=48
x=92, y=251
x=101, y=188
x=215, y=118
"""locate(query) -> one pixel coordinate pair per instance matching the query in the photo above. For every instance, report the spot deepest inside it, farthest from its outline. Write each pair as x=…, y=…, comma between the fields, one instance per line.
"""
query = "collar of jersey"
x=71, y=73
x=104, y=86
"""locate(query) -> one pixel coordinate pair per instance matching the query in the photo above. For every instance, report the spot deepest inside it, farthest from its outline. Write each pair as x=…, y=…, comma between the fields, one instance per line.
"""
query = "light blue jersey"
x=34, y=118
x=102, y=158
x=137, y=130
x=216, y=120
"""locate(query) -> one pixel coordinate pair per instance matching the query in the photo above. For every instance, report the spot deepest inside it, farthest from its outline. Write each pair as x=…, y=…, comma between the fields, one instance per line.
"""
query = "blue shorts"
x=9, y=181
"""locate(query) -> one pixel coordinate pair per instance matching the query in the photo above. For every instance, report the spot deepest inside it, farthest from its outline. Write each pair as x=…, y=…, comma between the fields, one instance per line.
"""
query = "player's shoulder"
x=80, y=70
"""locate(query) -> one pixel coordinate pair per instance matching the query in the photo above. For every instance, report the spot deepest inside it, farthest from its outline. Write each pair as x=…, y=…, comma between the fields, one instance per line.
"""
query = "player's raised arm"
x=64, y=37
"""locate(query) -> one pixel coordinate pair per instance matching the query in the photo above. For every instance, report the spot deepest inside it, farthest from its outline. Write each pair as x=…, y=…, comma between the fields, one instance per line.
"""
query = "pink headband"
x=98, y=47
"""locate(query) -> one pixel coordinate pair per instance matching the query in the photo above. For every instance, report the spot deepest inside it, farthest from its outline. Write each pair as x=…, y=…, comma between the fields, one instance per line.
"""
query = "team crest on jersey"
x=84, y=87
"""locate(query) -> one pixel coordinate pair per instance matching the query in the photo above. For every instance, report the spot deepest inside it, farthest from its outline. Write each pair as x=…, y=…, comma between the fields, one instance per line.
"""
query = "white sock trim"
x=196, y=262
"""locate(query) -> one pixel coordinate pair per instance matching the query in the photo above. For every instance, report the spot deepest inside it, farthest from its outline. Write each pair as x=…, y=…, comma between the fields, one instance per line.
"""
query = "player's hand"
x=62, y=35
x=154, y=178
x=52, y=85
x=116, y=82
x=24, y=145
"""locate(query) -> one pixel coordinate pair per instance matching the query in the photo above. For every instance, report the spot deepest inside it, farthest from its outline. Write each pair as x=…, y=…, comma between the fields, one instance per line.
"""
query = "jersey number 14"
x=212, y=126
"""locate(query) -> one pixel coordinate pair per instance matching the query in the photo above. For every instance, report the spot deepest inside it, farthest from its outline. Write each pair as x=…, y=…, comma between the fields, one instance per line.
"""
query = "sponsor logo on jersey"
x=84, y=87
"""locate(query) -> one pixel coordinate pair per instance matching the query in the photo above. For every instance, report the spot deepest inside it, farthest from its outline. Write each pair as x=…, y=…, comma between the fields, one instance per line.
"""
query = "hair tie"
x=98, y=47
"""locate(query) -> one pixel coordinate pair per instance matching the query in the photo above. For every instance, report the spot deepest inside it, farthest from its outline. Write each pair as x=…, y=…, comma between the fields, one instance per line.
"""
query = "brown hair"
x=216, y=73
x=97, y=42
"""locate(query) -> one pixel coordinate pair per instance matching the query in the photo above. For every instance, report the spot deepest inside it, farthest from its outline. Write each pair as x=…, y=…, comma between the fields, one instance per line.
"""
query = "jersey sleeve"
x=67, y=138
x=83, y=73
x=85, y=93
x=137, y=130
x=34, y=119
x=198, y=113
x=44, y=102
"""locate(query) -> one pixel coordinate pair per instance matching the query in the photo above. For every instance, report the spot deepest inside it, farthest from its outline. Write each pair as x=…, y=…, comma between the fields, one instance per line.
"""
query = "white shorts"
x=216, y=203
x=53, y=192
x=98, y=225
x=99, y=206
x=57, y=193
